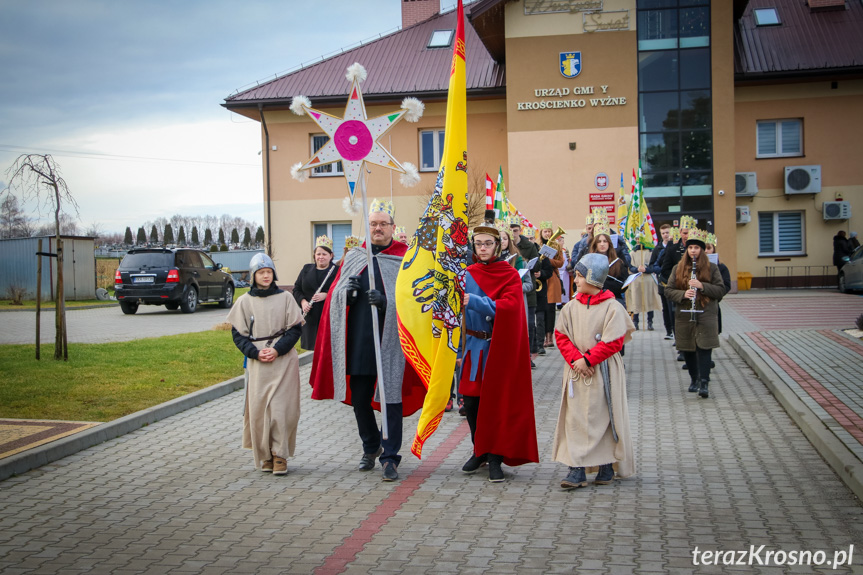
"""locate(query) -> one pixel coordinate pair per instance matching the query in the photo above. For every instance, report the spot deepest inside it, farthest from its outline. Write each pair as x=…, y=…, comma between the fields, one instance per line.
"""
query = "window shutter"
x=765, y=233
x=790, y=226
x=766, y=138
x=791, y=137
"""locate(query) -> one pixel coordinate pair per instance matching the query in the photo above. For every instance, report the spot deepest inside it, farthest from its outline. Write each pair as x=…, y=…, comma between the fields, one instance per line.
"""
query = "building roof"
x=807, y=42
x=397, y=64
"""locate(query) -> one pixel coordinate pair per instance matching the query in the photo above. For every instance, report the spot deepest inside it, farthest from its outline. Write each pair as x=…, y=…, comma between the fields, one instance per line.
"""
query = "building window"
x=336, y=231
x=441, y=39
x=778, y=138
x=766, y=17
x=334, y=169
x=431, y=150
x=780, y=234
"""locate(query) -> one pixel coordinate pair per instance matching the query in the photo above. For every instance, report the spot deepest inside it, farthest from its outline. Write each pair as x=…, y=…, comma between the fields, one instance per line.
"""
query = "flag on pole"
x=621, y=208
x=524, y=221
x=639, y=224
x=489, y=192
x=501, y=204
x=430, y=284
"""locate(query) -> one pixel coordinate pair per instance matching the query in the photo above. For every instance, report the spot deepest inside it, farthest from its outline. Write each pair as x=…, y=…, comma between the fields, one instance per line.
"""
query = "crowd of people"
x=522, y=298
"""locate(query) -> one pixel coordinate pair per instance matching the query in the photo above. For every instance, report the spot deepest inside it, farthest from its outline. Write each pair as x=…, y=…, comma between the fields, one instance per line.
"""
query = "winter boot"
x=575, y=478
x=702, y=391
x=693, y=387
x=605, y=475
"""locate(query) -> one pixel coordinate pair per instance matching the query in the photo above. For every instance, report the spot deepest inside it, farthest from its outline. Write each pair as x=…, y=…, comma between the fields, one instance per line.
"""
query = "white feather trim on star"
x=352, y=207
x=297, y=173
x=411, y=177
x=297, y=105
x=414, y=109
x=356, y=71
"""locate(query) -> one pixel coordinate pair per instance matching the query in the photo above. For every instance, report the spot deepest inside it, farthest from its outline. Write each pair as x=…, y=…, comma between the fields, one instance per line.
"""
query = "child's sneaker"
x=267, y=467
x=280, y=465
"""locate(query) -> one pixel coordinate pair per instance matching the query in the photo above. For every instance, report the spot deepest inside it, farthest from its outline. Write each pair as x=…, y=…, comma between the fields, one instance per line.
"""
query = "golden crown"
x=697, y=235
x=384, y=206
x=675, y=234
x=711, y=239
x=527, y=232
x=601, y=227
x=545, y=225
x=400, y=230
x=501, y=226
x=514, y=220
x=324, y=242
x=352, y=242
x=688, y=223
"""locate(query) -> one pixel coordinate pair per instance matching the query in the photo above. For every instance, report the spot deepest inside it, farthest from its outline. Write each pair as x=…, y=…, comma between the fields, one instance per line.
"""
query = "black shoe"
x=495, y=473
x=541, y=351
x=636, y=326
x=461, y=409
x=605, y=475
x=693, y=387
x=669, y=335
x=650, y=326
x=390, y=471
x=680, y=356
x=712, y=364
x=367, y=462
x=474, y=463
x=702, y=391
x=576, y=478
x=532, y=365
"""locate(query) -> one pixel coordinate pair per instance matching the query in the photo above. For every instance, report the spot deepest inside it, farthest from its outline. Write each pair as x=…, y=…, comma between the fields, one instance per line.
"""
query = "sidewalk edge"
x=841, y=459
x=55, y=450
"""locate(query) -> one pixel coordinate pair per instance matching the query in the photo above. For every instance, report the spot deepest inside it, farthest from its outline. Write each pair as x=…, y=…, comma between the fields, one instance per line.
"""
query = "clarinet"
x=692, y=309
x=320, y=287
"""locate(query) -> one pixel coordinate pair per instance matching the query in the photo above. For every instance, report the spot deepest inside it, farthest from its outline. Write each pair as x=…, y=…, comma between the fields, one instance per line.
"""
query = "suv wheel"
x=129, y=307
x=228, y=300
x=189, y=303
x=172, y=305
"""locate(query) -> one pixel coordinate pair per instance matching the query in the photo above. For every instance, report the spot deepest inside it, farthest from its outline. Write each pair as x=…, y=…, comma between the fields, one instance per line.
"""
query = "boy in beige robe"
x=590, y=332
x=266, y=325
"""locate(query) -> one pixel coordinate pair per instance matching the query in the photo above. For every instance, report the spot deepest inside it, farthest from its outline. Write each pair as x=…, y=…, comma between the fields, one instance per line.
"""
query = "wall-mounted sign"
x=601, y=182
x=556, y=6
x=561, y=93
x=610, y=210
x=570, y=64
x=605, y=21
x=606, y=197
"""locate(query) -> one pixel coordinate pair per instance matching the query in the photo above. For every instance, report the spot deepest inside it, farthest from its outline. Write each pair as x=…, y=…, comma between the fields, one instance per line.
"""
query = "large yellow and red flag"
x=430, y=284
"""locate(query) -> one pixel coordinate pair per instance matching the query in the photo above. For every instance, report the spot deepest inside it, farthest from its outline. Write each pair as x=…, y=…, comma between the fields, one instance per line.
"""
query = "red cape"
x=413, y=390
x=505, y=423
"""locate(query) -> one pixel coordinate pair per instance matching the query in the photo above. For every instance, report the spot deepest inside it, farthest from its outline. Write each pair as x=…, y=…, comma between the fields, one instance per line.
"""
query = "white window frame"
x=329, y=170
x=778, y=125
x=437, y=151
x=775, y=228
x=438, y=36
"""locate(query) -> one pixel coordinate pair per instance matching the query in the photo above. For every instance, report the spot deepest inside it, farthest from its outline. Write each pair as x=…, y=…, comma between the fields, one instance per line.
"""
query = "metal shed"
x=18, y=266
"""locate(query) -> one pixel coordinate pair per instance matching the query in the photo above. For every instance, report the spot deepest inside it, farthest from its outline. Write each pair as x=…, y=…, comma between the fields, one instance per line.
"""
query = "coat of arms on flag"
x=570, y=64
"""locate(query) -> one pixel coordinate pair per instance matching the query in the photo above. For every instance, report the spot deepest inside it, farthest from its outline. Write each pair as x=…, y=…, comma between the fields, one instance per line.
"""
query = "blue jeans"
x=362, y=393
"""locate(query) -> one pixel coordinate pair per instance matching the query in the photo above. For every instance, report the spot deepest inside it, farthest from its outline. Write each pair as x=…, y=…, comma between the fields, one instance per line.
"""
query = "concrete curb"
x=50, y=452
x=841, y=459
x=68, y=308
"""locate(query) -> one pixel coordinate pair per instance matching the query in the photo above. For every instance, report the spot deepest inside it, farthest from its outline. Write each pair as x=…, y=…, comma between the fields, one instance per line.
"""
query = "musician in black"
x=311, y=287
x=695, y=286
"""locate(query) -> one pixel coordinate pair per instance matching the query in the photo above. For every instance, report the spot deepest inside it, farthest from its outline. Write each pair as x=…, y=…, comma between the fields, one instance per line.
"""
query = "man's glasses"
x=484, y=244
x=380, y=225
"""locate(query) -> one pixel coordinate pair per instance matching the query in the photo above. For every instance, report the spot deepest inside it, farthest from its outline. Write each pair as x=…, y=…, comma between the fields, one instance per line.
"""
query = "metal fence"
x=18, y=262
x=784, y=277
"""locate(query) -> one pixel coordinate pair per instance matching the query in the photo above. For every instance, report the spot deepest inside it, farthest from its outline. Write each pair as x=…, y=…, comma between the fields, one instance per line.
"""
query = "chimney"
x=415, y=11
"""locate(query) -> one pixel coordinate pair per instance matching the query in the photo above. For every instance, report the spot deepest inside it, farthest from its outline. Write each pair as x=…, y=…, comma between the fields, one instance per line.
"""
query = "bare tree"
x=38, y=176
x=95, y=230
x=475, y=196
x=13, y=222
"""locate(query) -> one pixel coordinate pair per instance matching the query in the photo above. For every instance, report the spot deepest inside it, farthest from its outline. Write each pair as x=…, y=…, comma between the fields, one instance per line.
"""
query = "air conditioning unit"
x=743, y=216
x=802, y=179
x=745, y=184
x=836, y=210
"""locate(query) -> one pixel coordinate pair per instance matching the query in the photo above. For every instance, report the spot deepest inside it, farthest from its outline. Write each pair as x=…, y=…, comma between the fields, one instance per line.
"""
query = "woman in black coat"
x=322, y=271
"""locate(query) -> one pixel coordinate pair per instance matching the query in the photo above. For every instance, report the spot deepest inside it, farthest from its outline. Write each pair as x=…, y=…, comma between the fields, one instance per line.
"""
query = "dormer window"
x=441, y=39
x=766, y=17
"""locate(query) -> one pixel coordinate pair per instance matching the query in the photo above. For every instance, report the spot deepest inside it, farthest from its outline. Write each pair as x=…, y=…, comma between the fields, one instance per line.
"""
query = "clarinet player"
x=695, y=286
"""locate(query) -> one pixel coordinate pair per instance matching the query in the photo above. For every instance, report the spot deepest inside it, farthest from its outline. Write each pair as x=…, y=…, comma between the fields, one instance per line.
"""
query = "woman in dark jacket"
x=306, y=293
x=842, y=249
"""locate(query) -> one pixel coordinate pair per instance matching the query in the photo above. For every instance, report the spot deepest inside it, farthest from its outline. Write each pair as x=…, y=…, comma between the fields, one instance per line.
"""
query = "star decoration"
x=353, y=139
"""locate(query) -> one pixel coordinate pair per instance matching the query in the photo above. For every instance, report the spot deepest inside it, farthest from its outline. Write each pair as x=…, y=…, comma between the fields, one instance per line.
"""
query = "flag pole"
x=376, y=333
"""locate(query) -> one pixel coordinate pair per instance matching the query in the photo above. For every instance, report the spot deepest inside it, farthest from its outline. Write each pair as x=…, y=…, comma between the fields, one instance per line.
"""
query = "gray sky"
x=126, y=94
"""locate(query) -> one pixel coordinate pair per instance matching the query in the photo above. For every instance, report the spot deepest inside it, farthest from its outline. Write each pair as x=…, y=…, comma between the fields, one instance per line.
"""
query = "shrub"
x=16, y=294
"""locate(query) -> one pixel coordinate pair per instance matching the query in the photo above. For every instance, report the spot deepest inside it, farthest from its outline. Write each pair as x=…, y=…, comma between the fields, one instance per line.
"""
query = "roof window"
x=766, y=17
x=441, y=38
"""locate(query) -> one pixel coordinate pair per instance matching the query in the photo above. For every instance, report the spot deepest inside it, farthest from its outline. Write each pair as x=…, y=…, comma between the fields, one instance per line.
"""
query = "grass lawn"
x=6, y=304
x=102, y=382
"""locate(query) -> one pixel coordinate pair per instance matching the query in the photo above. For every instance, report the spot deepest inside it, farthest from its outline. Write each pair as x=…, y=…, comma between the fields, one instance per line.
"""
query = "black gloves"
x=377, y=299
x=353, y=289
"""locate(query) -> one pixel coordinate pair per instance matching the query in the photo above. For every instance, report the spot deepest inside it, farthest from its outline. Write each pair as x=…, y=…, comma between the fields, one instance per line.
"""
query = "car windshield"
x=148, y=260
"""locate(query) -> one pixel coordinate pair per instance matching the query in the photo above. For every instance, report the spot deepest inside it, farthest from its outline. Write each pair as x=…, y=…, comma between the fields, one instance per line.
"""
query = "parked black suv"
x=175, y=278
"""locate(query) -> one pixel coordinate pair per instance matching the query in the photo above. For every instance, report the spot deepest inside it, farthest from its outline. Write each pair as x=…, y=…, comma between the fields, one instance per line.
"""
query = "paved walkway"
x=180, y=495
